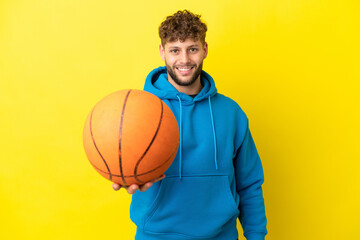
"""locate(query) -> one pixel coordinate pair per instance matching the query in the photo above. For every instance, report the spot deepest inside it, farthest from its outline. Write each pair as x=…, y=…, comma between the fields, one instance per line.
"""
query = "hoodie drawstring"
x=213, y=127
x=180, y=151
x=180, y=144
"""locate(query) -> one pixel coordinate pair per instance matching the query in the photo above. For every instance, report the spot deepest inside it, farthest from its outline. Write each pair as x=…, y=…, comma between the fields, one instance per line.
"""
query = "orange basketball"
x=131, y=136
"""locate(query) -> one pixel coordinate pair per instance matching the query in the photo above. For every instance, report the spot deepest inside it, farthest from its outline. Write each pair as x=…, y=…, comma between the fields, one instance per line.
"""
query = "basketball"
x=131, y=136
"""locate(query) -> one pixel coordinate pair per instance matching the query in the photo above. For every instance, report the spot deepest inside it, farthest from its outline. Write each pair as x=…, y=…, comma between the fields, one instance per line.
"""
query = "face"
x=184, y=60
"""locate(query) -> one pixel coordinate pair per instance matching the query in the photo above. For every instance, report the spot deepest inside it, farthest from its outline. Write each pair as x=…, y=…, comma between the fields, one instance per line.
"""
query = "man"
x=217, y=174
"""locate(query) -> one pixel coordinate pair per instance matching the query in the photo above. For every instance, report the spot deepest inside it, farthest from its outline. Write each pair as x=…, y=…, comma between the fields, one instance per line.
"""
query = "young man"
x=217, y=174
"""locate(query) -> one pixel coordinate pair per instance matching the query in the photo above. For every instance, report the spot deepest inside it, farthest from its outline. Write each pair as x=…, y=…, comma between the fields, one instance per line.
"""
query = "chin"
x=184, y=80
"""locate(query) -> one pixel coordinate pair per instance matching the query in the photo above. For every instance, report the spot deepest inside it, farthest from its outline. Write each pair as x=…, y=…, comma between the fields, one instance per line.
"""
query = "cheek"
x=198, y=59
x=170, y=60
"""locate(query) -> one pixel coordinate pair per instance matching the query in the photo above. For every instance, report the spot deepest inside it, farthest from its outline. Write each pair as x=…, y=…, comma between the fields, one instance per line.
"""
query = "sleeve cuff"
x=255, y=236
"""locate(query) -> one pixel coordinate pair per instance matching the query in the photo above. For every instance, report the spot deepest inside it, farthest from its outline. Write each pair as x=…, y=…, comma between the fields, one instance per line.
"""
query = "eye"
x=193, y=50
x=174, y=50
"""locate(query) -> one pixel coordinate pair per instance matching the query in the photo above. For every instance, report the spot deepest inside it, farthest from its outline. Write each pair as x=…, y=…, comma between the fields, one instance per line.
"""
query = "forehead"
x=187, y=43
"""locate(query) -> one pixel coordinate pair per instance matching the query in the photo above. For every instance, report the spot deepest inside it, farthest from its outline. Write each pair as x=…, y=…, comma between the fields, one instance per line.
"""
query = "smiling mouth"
x=184, y=70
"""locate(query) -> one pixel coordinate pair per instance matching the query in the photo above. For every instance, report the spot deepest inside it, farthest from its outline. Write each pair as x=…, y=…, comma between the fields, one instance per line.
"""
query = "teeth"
x=184, y=69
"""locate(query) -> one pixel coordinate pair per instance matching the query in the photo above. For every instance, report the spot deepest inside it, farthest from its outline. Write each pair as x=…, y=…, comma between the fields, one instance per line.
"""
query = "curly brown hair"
x=181, y=26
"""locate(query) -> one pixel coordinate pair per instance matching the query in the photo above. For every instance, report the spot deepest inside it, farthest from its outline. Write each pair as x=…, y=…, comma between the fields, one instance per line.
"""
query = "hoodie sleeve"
x=249, y=178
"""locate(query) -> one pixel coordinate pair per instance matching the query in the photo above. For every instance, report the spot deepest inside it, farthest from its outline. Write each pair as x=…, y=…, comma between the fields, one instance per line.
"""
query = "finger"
x=159, y=178
x=145, y=187
x=116, y=186
x=132, y=188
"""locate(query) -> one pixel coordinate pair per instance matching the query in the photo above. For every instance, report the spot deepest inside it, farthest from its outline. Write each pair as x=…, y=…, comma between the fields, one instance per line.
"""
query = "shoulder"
x=232, y=114
x=231, y=105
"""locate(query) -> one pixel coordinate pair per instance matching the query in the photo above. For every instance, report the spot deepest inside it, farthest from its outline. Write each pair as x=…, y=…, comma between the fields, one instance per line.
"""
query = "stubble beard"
x=192, y=80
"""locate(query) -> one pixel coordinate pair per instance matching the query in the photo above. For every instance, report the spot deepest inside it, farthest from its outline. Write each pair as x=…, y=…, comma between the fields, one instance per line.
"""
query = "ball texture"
x=131, y=136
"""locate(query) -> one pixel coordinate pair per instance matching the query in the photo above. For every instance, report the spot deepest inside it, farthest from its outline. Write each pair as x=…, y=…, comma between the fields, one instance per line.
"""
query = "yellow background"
x=292, y=65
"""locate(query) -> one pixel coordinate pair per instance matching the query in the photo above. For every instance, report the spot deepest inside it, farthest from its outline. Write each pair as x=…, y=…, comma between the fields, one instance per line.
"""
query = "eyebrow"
x=191, y=46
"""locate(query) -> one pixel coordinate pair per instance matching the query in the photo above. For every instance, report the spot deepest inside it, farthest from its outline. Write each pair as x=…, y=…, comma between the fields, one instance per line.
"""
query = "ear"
x=162, y=52
x=205, y=50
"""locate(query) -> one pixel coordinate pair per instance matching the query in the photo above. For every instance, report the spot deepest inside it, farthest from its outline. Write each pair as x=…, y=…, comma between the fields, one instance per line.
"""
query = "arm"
x=249, y=178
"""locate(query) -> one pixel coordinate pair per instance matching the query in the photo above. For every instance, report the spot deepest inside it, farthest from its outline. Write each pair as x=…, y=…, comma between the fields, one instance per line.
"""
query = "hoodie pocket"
x=192, y=206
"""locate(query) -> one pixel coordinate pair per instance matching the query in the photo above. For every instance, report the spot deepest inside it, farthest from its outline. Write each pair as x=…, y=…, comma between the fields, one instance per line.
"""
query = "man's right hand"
x=134, y=187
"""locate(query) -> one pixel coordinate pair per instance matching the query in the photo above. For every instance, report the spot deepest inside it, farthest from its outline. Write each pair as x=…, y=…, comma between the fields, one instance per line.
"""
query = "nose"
x=184, y=58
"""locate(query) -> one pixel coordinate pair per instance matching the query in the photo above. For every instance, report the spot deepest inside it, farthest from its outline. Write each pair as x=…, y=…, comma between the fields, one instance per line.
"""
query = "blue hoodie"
x=215, y=178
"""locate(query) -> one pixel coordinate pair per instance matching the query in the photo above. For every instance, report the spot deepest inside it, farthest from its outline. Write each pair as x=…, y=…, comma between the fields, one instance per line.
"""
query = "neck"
x=192, y=89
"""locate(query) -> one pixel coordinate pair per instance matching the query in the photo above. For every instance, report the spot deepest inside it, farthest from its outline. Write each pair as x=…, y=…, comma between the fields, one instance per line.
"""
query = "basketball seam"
x=93, y=139
x=141, y=174
x=120, y=137
x=152, y=141
x=154, y=169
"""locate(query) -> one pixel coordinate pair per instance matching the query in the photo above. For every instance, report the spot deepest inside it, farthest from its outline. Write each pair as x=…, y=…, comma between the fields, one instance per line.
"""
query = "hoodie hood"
x=157, y=83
